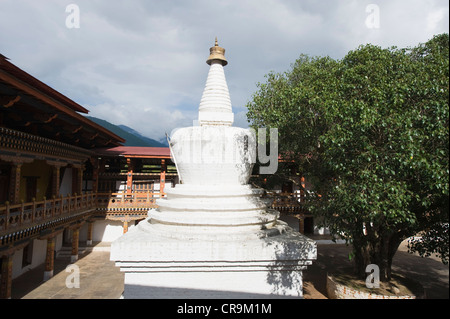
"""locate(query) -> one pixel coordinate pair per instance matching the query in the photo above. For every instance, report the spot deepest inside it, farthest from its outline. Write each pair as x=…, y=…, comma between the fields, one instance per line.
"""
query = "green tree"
x=371, y=133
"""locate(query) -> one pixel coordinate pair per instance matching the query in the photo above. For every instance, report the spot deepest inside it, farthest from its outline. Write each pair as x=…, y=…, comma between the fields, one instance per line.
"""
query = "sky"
x=142, y=63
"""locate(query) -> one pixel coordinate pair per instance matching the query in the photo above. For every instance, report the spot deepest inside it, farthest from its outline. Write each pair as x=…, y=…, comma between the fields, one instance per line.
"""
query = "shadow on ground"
x=104, y=280
x=432, y=274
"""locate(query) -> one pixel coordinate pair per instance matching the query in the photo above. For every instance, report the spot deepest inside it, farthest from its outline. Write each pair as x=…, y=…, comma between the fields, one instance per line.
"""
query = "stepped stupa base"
x=262, y=265
x=213, y=236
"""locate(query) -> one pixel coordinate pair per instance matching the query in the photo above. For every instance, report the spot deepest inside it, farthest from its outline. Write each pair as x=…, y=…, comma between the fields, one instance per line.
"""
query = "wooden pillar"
x=301, y=219
x=49, y=258
x=14, y=185
x=162, y=178
x=77, y=179
x=301, y=225
x=6, y=276
x=74, y=180
x=56, y=176
x=101, y=184
x=14, y=177
x=75, y=239
x=90, y=225
x=80, y=180
x=129, y=176
x=56, y=170
x=302, y=189
x=125, y=226
x=95, y=173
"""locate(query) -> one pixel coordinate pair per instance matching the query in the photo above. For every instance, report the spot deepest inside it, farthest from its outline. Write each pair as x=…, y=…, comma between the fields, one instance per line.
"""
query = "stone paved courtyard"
x=100, y=279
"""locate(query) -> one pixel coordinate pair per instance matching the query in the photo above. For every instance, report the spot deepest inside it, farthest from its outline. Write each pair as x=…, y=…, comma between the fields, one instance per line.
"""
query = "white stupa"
x=213, y=236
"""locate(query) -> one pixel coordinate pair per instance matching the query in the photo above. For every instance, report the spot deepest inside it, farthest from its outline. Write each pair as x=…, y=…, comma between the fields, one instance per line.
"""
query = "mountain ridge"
x=131, y=136
x=145, y=138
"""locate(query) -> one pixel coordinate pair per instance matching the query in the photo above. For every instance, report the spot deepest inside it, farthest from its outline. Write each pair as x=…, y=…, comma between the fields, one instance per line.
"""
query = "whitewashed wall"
x=66, y=183
x=107, y=230
x=38, y=257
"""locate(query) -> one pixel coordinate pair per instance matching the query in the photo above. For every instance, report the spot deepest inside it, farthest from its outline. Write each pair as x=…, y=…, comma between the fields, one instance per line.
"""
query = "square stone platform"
x=163, y=267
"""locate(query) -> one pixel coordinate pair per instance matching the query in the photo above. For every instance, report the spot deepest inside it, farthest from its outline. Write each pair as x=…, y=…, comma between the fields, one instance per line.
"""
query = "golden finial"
x=217, y=53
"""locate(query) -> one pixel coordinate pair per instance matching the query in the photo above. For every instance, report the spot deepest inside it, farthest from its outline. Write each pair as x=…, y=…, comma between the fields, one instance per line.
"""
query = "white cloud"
x=435, y=18
x=142, y=63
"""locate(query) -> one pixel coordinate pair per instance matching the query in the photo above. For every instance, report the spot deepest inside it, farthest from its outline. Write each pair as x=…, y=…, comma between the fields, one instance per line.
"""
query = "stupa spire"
x=217, y=53
x=215, y=105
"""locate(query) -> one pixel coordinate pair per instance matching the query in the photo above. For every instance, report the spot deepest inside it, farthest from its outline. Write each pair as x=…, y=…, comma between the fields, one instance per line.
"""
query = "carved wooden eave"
x=77, y=129
x=51, y=118
x=56, y=163
x=18, y=146
x=8, y=101
x=52, y=234
x=44, y=118
x=16, y=159
x=126, y=217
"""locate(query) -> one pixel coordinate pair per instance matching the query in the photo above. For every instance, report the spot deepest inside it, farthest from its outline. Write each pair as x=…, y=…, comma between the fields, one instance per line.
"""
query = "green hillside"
x=130, y=138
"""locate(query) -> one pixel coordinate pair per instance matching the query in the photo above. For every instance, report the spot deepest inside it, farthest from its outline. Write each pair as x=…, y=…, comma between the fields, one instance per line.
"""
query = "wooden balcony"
x=113, y=201
x=134, y=205
x=24, y=220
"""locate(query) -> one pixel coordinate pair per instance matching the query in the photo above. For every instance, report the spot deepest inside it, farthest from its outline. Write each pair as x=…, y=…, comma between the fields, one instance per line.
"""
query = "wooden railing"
x=22, y=215
x=135, y=201
x=288, y=202
x=26, y=215
x=17, y=216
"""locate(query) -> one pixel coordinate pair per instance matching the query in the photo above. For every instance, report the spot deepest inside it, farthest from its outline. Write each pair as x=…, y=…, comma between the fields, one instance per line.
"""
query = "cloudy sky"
x=142, y=63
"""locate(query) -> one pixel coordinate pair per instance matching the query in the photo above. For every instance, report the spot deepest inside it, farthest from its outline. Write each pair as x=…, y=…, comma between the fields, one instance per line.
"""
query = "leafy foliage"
x=371, y=133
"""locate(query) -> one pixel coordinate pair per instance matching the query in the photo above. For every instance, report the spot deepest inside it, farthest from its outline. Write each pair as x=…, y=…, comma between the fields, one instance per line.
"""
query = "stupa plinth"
x=213, y=236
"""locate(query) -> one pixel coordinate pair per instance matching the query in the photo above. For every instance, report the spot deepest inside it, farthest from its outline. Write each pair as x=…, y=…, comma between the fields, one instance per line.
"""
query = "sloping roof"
x=35, y=97
x=25, y=77
x=135, y=151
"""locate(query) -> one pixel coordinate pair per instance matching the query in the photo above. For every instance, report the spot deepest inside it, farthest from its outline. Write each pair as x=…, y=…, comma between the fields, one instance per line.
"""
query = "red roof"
x=135, y=151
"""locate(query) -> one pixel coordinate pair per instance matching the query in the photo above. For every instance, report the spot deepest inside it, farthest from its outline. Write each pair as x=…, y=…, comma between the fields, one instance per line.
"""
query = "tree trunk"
x=362, y=259
x=383, y=259
x=379, y=252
